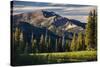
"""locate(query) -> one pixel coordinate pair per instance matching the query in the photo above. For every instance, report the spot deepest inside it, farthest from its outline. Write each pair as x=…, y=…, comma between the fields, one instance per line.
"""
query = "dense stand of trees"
x=46, y=43
x=87, y=41
x=78, y=42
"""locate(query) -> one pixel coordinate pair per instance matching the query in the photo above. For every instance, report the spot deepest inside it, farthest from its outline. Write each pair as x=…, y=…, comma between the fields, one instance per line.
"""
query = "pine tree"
x=59, y=44
x=73, y=43
x=26, y=49
x=17, y=40
x=33, y=44
x=90, y=33
x=49, y=43
x=42, y=43
x=21, y=43
x=45, y=44
x=67, y=48
x=17, y=35
x=56, y=45
x=13, y=38
x=63, y=42
x=95, y=28
x=80, y=41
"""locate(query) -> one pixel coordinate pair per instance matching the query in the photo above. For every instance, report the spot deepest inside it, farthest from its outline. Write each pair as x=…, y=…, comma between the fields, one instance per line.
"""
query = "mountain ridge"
x=52, y=21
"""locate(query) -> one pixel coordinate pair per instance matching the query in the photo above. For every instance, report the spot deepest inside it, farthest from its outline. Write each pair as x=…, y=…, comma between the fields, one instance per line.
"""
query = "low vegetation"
x=60, y=57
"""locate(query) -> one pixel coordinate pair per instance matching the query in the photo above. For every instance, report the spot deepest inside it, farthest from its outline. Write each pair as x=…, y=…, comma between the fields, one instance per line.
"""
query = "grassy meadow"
x=60, y=57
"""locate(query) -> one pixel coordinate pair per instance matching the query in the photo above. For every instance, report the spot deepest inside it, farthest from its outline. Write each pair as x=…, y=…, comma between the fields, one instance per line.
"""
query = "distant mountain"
x=50, y=20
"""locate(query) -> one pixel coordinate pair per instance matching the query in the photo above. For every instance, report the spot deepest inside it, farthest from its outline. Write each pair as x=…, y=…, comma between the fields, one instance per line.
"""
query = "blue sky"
x=78, y=12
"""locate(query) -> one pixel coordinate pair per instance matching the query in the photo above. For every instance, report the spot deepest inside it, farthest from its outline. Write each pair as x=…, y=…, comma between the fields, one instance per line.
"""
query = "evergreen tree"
x=17, y=40
x=33, y=44
x=80, y=42
x=56, y=45
x=90, y=33
x=21, y=45
x=63, y=42
x=73, y=43
x=13, y=39
x=95, y=28
x=49, y=43
x=60, y=44
x=45, y=44
x=42, y=43
x=67, y=48
x=17, y=35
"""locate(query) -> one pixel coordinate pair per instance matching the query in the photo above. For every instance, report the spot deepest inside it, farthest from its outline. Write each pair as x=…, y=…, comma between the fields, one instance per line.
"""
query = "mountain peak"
x=42, y=18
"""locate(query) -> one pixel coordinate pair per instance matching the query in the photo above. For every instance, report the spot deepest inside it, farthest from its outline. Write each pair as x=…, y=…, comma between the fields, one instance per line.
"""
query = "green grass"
x=60, y=57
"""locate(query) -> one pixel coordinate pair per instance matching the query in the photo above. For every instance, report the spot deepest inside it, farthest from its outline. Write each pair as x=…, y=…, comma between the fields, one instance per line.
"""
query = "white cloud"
x=23, y=9
x=72, y=12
